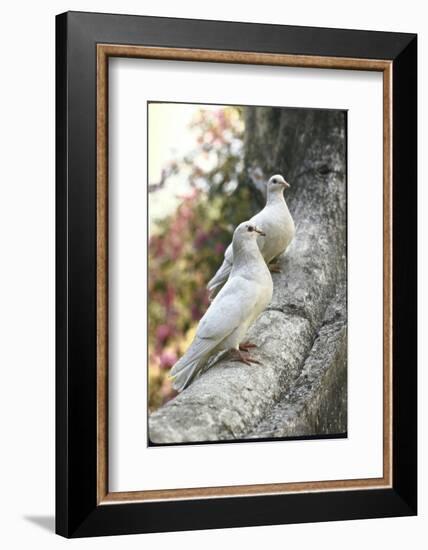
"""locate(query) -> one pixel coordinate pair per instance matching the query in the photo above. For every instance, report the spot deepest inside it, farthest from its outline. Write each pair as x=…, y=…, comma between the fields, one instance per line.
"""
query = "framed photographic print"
x=236, y=274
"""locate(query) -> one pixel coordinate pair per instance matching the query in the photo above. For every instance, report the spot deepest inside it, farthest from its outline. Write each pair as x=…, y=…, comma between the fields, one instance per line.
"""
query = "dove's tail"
x=219, y=278
x=186, y=368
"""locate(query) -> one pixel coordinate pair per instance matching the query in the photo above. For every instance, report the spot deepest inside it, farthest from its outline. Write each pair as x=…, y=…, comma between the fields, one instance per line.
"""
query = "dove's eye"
x=250, y=228
x=274, y=181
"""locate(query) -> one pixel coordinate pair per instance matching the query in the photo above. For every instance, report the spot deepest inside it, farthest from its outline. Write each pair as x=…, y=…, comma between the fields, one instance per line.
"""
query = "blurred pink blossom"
x=162, y=332
x=196, y=312
x=169, y=296
x=219, y=248
x=200, y=239
x=167, y=359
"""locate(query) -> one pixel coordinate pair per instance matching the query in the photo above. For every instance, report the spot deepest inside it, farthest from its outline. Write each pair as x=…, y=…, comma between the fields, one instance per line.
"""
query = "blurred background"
x=196, y=198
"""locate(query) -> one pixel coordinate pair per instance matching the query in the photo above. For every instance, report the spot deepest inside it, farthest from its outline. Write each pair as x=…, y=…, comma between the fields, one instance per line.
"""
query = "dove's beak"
x=260, y=232
x=286, y=184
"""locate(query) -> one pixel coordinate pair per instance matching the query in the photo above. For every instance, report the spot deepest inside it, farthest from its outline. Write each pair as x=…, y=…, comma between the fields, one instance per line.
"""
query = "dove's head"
x=244, y=241
x=247, y=231
x=277, y=183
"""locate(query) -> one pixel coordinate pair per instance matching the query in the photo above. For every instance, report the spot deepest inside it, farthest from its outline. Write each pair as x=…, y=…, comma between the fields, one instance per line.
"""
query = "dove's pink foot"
x=274, y=267
x=237, y=356
x=245, y=346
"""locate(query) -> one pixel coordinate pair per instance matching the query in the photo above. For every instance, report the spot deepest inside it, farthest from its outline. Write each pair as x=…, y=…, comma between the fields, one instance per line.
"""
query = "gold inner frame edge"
x=104, y=51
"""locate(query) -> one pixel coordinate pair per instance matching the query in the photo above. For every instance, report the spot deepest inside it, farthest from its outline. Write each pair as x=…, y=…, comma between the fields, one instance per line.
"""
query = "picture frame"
x=84, y=44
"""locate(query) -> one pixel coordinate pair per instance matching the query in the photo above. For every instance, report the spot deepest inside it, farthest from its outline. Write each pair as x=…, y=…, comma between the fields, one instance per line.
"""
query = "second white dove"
x=277, y=223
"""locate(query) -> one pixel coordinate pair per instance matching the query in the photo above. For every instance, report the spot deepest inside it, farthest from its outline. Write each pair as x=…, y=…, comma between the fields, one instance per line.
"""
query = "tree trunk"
x=300, y=387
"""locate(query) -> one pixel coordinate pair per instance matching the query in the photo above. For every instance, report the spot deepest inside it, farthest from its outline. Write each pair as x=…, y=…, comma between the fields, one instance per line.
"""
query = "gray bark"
x=300, y=387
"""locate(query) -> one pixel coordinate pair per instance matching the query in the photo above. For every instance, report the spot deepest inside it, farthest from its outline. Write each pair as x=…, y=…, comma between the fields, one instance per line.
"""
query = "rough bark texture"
x=300, y=387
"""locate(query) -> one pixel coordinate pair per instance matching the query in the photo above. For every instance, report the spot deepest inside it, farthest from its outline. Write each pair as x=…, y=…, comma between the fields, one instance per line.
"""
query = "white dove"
x=277, y=223
x=223, y=327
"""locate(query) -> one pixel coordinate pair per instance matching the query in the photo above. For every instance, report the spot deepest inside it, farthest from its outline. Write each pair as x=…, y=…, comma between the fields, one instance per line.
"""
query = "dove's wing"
x=192, y=361
x=232, y=306
x=228, y=311
x=228, y=254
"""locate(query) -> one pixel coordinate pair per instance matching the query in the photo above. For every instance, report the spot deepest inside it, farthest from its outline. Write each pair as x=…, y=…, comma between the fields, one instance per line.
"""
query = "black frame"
x=77, y=513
